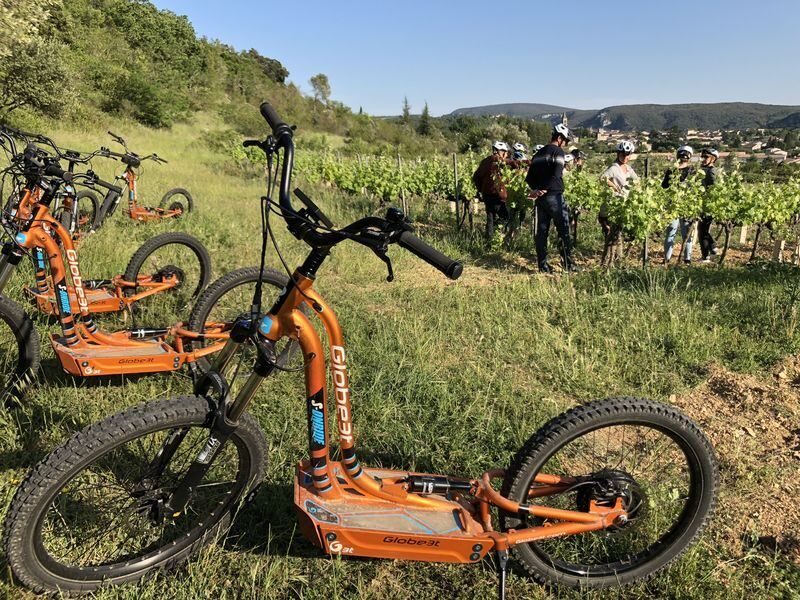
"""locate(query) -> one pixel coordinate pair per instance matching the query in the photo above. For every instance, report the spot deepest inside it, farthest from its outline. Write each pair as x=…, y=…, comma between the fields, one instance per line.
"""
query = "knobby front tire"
x=84, y=517
x=89, y=205
x=231, y=296
x=20, y=352
x=662, y=462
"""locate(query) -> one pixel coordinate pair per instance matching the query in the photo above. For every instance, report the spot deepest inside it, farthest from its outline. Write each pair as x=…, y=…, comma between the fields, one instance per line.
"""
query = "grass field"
x=454, y=377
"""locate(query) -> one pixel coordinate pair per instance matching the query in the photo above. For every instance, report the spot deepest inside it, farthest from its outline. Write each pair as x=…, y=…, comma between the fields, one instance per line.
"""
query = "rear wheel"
x=175, y=258
x=178, y=199
x=20, y=353
x=91, y=513
x=231, y=296
x=648, y=456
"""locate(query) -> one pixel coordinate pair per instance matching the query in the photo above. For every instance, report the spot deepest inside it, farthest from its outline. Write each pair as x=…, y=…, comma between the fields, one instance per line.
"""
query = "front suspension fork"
x=227, y=414
x=10, y=257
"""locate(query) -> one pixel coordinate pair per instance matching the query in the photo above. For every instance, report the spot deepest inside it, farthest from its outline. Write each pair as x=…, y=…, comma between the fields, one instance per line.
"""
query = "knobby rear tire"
x=132, y=271
x=173, y=197
x=582, y=420
x=25, y=550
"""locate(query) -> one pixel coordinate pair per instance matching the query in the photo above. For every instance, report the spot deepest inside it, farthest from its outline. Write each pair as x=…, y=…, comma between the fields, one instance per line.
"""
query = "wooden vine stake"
x=404, y=203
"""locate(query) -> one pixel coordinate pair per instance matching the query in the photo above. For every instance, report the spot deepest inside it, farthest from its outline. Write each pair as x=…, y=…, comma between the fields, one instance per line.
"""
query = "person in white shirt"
x=619, y=177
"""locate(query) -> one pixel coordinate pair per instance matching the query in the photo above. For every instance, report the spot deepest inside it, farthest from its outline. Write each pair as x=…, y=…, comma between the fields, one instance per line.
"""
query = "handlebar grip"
x=445, y=264
x=271, y=117
x=54, y=170
x=109, y=186
x=251, y=143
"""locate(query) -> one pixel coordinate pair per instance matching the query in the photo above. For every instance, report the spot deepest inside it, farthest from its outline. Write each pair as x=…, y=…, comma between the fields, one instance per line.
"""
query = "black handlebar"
x=272, y=118
x=109, y=186
x=445, y=264
x=300, y=228
x=55, y=170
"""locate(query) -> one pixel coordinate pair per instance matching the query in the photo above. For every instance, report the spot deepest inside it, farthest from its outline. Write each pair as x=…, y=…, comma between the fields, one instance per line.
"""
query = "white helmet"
x=538, y=147
x=686, y=151
x=500, y=146
x=568, y=158
x=520, y=147
x=626, y=147
x=711, y=152
x=563, y=131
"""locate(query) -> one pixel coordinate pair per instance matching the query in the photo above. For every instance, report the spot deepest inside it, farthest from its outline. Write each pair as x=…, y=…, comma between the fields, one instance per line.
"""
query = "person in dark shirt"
x=578, y=160
x=488, y=180
x=545, y=178
x=707, y=246
x=685, y=170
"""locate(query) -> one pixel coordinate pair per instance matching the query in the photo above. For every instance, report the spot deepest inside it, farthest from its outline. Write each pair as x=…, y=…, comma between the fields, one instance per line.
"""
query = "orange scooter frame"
x=82, y=348
x=141, y=213
x=99, y=300
x=349, y=509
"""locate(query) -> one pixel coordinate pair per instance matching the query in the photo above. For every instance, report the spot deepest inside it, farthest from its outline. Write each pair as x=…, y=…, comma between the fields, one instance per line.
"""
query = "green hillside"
x=642, y=117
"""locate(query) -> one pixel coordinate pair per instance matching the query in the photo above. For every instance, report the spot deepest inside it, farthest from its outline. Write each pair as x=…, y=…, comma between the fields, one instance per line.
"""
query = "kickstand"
x=502, y=565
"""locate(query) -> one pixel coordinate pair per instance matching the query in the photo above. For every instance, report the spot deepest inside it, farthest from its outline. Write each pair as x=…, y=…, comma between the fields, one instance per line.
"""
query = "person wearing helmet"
x=619, y=177
x=546, y=179
x=517, y=214
x=685, y=170
x=575, y=165
x=579, y=159
x=708, y=163
x=488, y=180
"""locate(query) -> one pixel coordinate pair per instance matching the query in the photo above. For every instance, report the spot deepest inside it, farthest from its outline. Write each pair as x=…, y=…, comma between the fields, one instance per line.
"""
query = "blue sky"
x=581, y=54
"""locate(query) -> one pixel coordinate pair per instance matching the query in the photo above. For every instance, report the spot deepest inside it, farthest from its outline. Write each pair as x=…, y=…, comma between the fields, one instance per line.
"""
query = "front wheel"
x=88, y=210
x=20, y=353
x=231, y=296
x=647, y=456
x=91, y=513
x=178, y=199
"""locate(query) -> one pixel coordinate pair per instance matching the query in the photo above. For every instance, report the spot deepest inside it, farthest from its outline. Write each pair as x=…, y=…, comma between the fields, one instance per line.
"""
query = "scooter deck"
x=99, y=301
x=358, y=525
x=91, y=360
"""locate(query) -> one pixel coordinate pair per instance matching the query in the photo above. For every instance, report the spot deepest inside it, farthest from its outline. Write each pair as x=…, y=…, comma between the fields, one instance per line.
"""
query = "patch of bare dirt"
x=754, y=425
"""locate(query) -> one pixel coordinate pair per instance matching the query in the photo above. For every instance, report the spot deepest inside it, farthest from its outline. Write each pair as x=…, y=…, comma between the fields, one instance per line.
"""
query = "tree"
x=321, y=86
x=406, y=118
x=270, y=67
x=792, y=139
x=425, y=127
x=20, y=21
x=35, y=75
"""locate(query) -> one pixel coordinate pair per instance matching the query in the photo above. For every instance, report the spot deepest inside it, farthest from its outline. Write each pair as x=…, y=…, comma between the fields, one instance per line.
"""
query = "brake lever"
x=381, y=253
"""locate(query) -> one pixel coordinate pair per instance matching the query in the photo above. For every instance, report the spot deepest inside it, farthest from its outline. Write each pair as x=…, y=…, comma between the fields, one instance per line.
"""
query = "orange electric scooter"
x=603, y=495
x=175, y=203
x=82, y=348
x=121, y=291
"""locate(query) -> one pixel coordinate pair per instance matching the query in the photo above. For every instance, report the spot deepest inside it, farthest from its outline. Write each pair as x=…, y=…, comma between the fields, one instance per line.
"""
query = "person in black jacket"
x=707, y=245
x=545, y=178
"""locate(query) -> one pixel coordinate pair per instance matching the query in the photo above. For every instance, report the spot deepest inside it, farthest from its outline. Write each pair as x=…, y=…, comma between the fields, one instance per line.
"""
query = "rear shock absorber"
x=436, y=484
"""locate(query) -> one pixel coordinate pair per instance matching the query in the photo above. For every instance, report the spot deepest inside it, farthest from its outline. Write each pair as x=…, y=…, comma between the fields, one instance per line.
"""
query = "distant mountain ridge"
x=642, y=117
